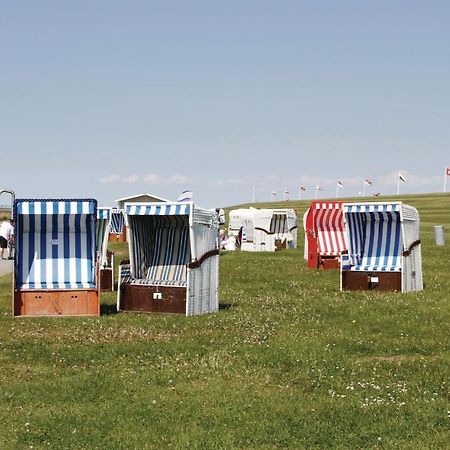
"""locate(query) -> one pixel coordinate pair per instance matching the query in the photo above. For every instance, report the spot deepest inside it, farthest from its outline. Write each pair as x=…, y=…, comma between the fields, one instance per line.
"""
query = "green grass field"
x=287, y=362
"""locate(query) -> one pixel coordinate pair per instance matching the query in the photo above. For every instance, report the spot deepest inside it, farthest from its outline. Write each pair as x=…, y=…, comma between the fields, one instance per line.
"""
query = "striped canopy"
x=55, y=243
x=374, y=235
x=104, y=214
x=158, y=209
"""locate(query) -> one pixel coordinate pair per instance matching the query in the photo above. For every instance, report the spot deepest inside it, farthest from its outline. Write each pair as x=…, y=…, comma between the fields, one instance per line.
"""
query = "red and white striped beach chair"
x=325, y=234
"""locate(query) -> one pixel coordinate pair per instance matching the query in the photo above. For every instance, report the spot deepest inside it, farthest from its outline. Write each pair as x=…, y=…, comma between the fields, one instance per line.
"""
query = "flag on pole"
x=339, y=185
x=185, y=196
x=368, y=182
x=318, y=188
x=274, y=193
x=401, y=178
x=446, y=174
x=302, y=188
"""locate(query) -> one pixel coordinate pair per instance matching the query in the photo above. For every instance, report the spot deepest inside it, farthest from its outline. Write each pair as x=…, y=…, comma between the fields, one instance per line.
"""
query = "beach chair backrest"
x=55, y=243
x=329, y=228
x=374, y=233
x=159, y=244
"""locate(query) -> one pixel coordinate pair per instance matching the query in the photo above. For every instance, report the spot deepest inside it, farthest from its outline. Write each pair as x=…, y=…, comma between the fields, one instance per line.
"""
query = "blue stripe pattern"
x=159, y=249
x=163, y=209
x=55, y=243
x=374, y=237
x=104, y=214
x=117, y=221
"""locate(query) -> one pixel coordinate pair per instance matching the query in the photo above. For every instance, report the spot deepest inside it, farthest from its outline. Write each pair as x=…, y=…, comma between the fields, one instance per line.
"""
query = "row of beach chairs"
x=62, y=260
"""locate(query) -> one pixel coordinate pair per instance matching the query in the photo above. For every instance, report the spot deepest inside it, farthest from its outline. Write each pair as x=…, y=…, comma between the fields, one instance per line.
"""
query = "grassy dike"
x=287, y=362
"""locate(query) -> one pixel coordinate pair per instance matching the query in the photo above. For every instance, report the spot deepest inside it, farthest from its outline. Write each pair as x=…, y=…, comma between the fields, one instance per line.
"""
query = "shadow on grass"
x=225, y=306
x=107, y=310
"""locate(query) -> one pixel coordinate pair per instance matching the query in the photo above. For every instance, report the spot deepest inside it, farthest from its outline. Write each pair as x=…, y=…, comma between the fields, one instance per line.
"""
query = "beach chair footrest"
x=155, y=299
x=378, y=281
x=56, y=303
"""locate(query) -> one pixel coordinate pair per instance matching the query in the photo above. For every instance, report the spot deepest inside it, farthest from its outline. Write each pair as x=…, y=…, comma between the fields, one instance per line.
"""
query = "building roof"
x=145, y=197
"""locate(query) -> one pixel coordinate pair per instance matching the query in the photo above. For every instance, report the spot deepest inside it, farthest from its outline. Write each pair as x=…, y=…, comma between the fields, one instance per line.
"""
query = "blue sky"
x=110, y=98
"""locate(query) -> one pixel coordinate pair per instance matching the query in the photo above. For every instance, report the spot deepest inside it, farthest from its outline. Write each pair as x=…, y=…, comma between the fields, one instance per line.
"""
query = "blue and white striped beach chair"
x=173, y=259
x=117, y=230
x=106, y=257
x=384, y=251
x=55, y=270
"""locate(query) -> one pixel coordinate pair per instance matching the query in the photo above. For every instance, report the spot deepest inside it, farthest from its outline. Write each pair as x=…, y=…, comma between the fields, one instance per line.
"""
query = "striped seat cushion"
x=376, y=268
x=171, y=283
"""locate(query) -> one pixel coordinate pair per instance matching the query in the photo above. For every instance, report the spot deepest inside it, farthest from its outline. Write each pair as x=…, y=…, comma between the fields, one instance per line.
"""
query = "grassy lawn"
x=287, y=362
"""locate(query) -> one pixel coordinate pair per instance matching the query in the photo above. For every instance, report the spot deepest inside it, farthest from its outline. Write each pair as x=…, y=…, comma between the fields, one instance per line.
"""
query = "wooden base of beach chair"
x=56, y=303
x=106, y=280
x=154, y=299
x=280, y=244
x=331, y=262
x=117, y=237
x=376, y=281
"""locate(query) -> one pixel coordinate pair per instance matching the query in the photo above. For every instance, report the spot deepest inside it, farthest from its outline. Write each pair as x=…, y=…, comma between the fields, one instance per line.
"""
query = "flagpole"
x=398, y=183
x=364, y=189
x=337, y=190
x=445, y=179
x=253, y=194
x=315, y=196
x=299, y=194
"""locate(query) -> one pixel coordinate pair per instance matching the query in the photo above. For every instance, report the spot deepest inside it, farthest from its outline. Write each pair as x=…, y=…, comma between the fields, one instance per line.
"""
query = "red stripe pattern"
x=329, y=229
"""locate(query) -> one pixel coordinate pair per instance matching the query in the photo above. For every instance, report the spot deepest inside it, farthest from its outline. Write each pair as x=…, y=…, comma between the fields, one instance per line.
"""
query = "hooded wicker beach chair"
x=325, y=235
x=55, y=270
x=117, y=229
x=265, y=229
x=174, y=259
x=106, y=257
x=384, y=250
